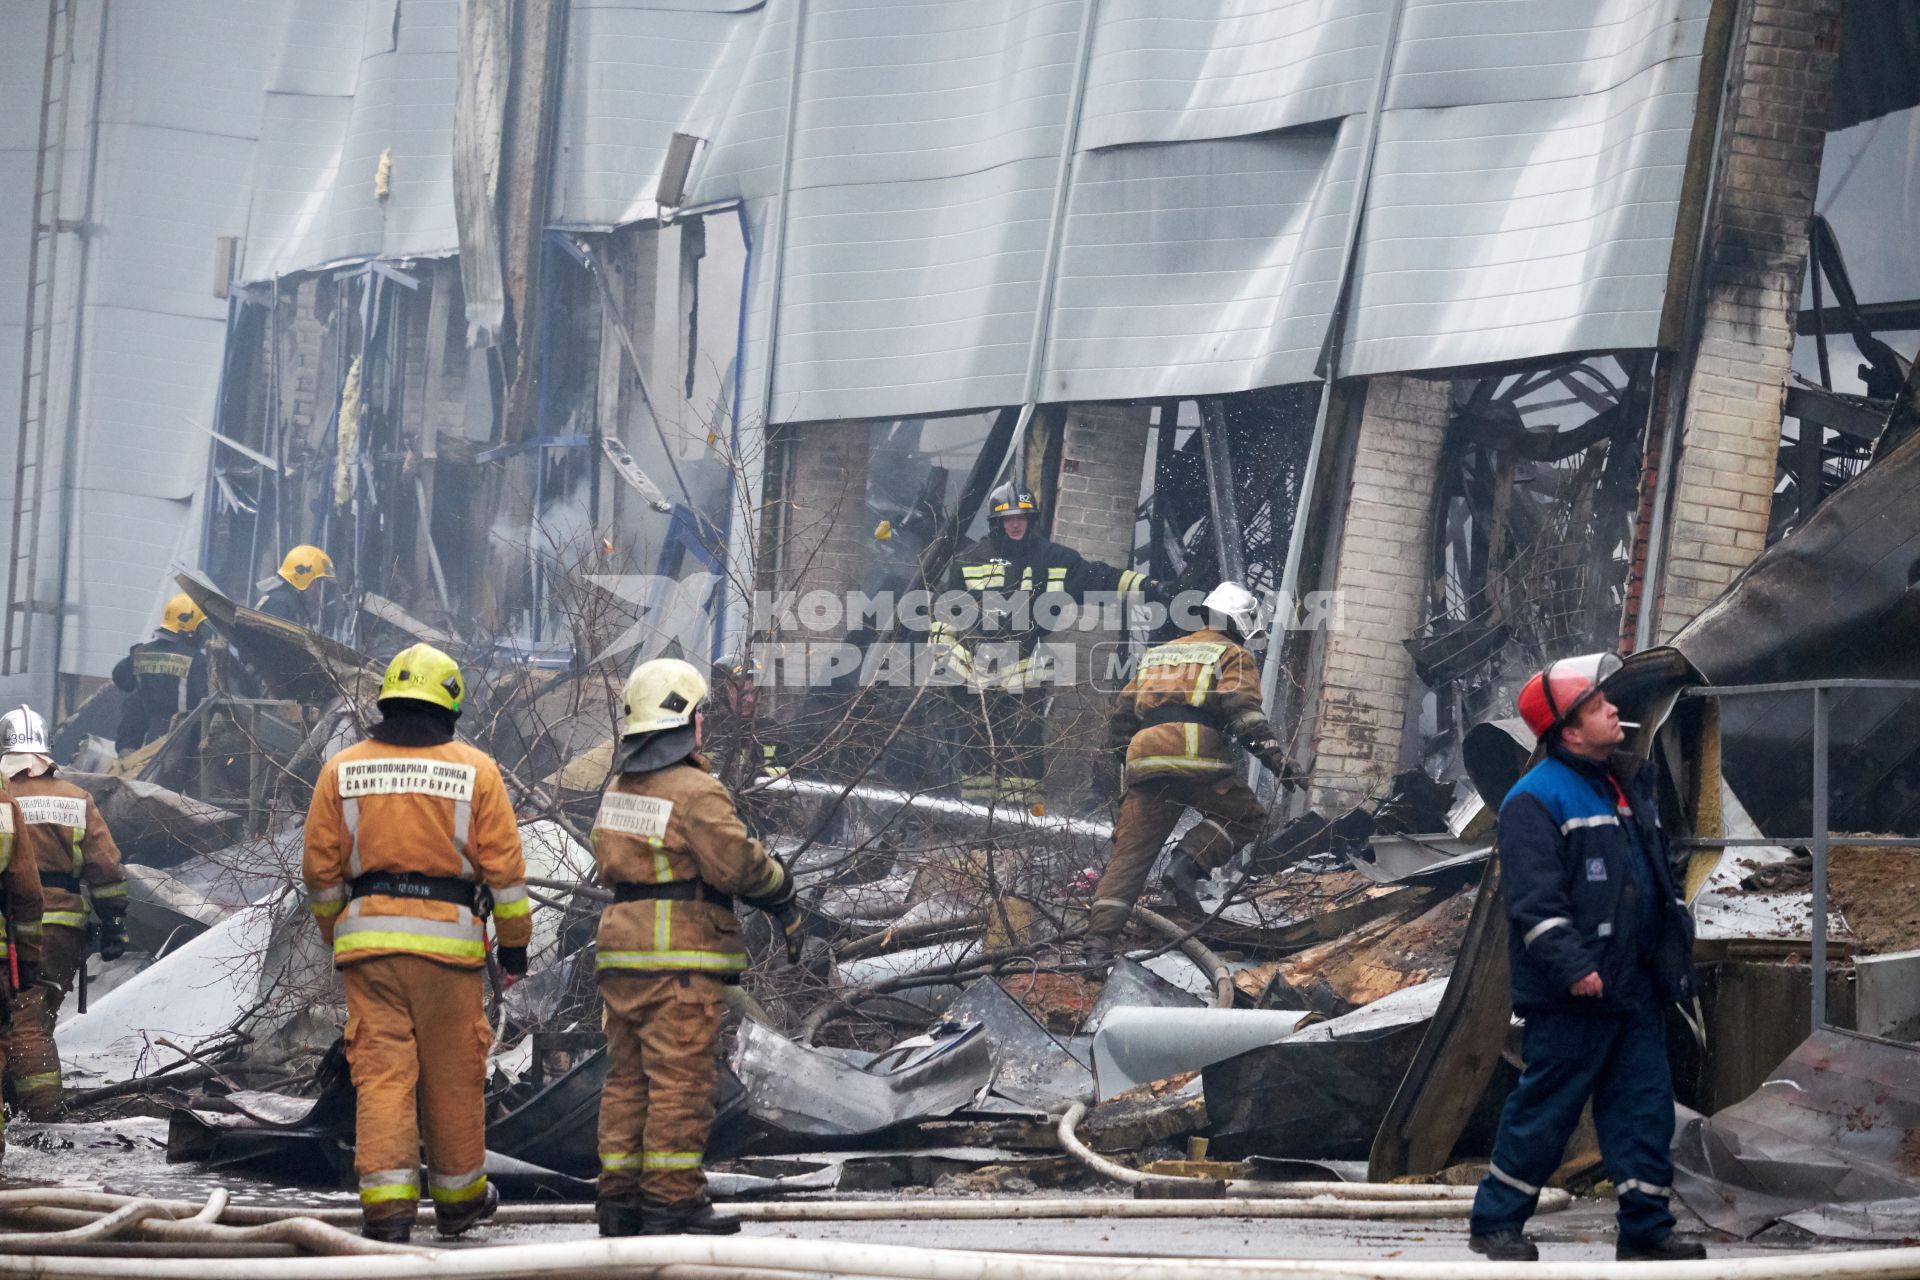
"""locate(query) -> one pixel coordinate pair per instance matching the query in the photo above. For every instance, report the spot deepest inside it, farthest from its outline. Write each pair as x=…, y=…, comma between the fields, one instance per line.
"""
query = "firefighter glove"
x=788, y=919
x=957, y=662
x=1270, y=753
x=513, y=960
x=113, y=940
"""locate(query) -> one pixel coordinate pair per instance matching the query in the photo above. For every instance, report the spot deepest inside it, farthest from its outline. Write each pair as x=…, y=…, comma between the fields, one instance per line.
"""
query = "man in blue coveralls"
x=1599, y=941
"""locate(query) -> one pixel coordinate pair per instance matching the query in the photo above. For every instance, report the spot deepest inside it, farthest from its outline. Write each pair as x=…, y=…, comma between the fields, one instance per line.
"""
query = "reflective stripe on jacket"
x=1009, y=580
x=437, y=811
x=21, y=920
x=1207, y=678
x=67, y=837
x=663, y=827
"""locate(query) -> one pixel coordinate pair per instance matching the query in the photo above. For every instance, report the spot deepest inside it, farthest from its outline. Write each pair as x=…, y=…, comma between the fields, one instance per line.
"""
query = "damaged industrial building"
x=1468, y=335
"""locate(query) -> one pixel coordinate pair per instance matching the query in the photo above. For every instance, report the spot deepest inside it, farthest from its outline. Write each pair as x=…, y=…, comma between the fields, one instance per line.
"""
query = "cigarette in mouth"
x=1629, y=724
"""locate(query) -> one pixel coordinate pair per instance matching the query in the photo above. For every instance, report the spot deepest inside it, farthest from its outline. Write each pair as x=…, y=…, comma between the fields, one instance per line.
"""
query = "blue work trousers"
x=1620, y=1061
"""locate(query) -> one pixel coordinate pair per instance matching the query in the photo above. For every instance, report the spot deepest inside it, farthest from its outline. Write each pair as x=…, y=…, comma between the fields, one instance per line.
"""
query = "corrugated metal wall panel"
x=1148, y=308
x=916, y=290
x=1522, y=229
x=179, y=111
x=1176, y=73
x=640, y=74
x=23, y=38
x=325, y=126
x=1474, y=52
x=925, y=90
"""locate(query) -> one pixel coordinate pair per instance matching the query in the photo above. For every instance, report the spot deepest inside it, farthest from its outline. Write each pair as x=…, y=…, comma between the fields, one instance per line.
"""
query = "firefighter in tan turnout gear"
x=19, y=925
x=67, y=839
x=410, y=840
x=669, y=844
x=1170, y=736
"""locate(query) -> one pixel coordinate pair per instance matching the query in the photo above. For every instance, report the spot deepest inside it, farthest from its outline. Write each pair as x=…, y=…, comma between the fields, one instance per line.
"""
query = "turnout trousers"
x=658, y=1102
x=417, y=1039
x=1620, y=1061
x=1003, y=755
x=33, y=1060
x=1230, y=816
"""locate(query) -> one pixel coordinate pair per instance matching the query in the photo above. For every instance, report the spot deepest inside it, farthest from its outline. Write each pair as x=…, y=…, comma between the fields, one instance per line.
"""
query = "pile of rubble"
x=1336, y=1008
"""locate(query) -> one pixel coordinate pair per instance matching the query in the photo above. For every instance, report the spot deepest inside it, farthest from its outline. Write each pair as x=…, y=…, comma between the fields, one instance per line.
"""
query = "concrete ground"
x=128, y=1156
x=1583, y=1232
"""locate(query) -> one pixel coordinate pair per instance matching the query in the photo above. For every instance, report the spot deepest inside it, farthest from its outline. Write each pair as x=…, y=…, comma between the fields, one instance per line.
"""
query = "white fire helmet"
x=1235, y=602
x=23, y=731
x=662, y=693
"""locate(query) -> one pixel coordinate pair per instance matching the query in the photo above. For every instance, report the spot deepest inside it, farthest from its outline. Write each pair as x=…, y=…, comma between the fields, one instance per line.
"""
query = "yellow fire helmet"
x=662, y=693
x=183, y=616
x=424, y=673
x=305, y=565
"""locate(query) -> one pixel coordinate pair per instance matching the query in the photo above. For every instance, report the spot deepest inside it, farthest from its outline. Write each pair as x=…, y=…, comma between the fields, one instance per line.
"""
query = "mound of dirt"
x=1878, y=890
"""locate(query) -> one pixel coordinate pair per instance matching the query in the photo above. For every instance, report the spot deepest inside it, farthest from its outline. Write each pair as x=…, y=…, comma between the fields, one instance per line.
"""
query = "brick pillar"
x=1784, y=56
x=1103, y=450
x=1381, y=580
x=824, y=529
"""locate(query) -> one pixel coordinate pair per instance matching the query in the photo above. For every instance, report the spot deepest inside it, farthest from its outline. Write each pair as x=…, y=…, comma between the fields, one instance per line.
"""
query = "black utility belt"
x=675, y=891
x=451, y=889
x=60, y=880
x=1178, y=713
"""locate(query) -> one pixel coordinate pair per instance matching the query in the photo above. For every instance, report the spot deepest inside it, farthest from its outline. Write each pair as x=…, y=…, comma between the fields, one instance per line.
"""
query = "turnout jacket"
x=167, y=677
x=677, y=826
x=439, y=813
x=1589, y=888
x=1188, y=698
x=1008, y=580
x=69, y=843
x=20, y=925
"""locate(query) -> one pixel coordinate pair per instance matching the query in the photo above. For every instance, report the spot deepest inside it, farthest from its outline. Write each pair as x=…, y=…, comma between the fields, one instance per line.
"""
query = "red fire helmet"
x=1552, y=697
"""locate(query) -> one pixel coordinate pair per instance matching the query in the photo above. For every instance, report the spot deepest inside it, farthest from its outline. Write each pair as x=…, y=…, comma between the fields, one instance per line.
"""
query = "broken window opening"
x=1536, y=490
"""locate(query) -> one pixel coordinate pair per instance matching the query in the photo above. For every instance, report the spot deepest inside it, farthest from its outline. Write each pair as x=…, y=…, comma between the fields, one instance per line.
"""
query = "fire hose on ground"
x=781, y=1258
x=1300, y=1199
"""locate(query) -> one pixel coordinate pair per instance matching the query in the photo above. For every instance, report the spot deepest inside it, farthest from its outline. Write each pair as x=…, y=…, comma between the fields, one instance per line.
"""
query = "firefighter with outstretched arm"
x=1015, y=576
x=410, y=842
x=670, y=845
x=1170, y=741
x=65, y=837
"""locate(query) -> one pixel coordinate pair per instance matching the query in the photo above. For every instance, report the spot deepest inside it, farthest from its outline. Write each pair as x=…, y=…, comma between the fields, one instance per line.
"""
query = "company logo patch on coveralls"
x=403, y=776
x=53, y=811
x=633, y=815
x=1596, y=868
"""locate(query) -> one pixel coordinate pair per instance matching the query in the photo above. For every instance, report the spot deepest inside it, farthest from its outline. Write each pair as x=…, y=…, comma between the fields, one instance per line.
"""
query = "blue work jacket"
x=1590, y=888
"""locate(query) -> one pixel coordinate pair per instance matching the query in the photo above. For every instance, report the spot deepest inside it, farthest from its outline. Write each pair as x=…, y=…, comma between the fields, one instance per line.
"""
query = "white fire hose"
x=1307, y=1199
x=754, y=1258
x=780, y=1258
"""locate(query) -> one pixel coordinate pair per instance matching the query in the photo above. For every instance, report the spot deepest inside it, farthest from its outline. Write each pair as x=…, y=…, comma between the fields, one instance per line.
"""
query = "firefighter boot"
x=687, y=1218
x=618, y=1219
x=1667, y=1250
x=398, y=1230
x=450, y=1220
x=1181, y=883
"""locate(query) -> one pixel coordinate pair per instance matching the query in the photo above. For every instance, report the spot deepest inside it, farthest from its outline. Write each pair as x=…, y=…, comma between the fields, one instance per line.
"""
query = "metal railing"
x=1819, y=842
